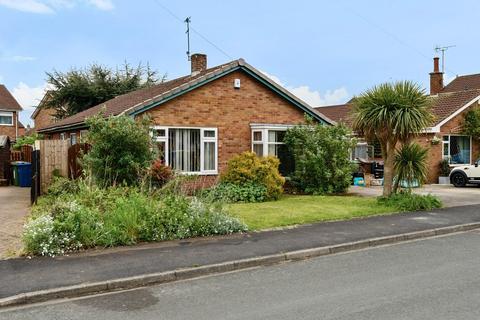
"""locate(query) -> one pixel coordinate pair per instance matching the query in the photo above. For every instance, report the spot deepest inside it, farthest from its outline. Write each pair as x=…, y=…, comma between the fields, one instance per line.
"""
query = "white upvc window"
x=190, y=150
x=457, y=149
x=6, y=118
x=267, y=140
x=63, y=136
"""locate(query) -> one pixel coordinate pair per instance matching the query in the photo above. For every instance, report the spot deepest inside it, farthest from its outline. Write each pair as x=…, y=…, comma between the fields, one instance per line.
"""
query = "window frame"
x=449, y=157
x=73, y=135
x=203, y=140
x=7, y=114
x=264, y=129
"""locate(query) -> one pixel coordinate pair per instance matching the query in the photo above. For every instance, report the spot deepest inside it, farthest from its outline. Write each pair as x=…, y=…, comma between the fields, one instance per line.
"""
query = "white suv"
x=463, y=175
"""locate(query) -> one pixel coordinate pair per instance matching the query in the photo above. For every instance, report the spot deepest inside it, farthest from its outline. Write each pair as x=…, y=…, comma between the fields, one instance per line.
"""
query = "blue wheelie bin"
x=24, y=174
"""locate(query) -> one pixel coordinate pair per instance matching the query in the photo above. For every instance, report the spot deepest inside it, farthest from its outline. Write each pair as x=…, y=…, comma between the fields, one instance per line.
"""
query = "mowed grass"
x=292, y=210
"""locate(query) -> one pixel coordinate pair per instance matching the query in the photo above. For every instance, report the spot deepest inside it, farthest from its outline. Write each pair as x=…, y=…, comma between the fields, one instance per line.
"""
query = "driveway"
x=451, y=196
x=14, y=207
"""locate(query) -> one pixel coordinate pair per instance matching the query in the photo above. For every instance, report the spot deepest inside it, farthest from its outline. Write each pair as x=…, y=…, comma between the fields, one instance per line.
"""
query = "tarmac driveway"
x=14, y=207
x=451, y=196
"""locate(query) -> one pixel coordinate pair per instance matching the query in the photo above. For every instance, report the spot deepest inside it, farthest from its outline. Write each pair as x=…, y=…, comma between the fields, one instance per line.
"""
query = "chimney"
x=199, y=63
x=436, y=78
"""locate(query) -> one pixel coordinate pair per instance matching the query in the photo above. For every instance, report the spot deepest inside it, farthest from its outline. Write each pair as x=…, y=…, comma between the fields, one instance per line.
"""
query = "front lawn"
x=291, y=210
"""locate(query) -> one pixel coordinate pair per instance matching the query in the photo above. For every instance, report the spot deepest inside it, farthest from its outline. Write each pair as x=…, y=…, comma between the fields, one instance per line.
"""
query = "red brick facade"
x=218, y=104
x=43, y=118
x=12, y=131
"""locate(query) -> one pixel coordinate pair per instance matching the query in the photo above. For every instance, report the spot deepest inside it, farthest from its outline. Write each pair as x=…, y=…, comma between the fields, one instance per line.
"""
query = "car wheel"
x=459, y=180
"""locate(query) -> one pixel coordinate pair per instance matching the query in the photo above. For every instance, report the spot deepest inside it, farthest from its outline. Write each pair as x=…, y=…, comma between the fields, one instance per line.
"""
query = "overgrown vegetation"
x=471, y=124
x=27, y=140
x=407, y=201
x=254, y=178
x=79, y=89
x=322, y=157
x=76, y=215
x=121, y=150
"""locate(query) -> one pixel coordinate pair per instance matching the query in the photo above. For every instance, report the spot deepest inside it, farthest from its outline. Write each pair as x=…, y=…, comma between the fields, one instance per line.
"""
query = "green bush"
x=61, y=186
x=230, y=193
x=407, y=201
x=322, y=158
x=26, y=140
x=410, y=164
x=247, y=169
x=121, y=150
x=93, y=216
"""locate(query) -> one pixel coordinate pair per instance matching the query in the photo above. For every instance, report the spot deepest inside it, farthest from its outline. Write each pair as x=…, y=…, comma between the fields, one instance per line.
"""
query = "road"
x=437, y=278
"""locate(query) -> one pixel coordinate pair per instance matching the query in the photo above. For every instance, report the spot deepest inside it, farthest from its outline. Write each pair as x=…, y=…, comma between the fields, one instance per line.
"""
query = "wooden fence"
x=53, y=160
x=24, y=154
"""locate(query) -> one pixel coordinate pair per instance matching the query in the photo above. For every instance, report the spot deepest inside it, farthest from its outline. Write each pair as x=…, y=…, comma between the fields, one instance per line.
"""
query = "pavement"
x=451, y=196
x=431, y=279
x=23, y=275
x=14, y=207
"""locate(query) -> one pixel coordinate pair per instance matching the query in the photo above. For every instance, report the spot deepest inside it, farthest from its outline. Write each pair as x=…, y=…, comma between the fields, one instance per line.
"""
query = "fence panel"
x=75, y=152
x=53, y=159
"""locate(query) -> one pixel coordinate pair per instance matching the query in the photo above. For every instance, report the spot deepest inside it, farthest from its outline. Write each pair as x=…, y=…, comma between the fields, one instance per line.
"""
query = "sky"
x=325, y=52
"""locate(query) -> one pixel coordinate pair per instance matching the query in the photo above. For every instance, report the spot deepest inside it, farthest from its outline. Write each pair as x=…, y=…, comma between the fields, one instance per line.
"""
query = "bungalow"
x=203, y=119
x=444, y=139
x=9, y=112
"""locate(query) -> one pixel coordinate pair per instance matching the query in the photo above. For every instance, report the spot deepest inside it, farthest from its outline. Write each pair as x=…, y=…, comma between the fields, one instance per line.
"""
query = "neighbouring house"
x=203, y=119
x=9, y=113
x=43, y=117
x=444, y=139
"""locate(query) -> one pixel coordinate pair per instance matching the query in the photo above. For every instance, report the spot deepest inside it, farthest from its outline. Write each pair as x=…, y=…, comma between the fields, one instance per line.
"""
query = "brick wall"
x=10, y=130
x=44, y=118
x=219, y=105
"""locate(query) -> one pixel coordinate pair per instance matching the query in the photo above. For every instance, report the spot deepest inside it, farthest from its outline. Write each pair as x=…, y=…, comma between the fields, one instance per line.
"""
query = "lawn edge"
x=90, y=288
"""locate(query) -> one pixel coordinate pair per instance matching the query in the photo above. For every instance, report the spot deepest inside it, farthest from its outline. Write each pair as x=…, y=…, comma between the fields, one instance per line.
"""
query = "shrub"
x=26, y=140
x=229, y=192
x=322, y=157
x=94, y=216
x=248, y=169
x=160, y=173
x=121, y=149
x=471, y=125
x=407, y=201
x=445, y=168
x=410, y=164
x=60, y=186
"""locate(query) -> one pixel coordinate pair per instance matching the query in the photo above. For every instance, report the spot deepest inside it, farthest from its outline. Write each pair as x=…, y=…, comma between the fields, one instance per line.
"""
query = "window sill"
x=6, y=125
x=205, y=173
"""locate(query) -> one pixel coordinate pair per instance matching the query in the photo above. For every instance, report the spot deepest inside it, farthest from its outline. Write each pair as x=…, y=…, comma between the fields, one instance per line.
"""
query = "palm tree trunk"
x=388, y=173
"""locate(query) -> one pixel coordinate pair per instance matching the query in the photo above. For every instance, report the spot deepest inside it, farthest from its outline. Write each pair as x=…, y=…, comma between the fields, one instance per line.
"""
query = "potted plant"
x=444, y=172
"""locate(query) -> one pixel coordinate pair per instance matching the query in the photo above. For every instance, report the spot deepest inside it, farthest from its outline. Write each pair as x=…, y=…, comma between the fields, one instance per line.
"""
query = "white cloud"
x=313, y=97
x=102, y=4
x=51, y=6
x=27, y=96
x=32, y=6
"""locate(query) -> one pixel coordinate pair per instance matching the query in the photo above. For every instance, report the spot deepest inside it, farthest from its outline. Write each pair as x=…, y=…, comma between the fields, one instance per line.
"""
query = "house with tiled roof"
x=204, y=118
x=444, y=138
x=9, y=115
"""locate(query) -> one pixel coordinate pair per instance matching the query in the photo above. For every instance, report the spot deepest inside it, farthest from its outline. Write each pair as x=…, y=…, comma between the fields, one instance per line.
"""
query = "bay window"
x=457, y=149
x=189, y=150
x=6, y=118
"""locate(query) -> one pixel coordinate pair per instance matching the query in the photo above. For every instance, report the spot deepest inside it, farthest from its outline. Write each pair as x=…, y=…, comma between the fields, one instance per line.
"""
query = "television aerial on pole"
x=187, y=21
x=443, y=49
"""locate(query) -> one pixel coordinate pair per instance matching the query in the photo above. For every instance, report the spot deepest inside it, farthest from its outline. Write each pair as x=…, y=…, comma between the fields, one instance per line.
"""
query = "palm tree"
x=393, y=113
x=410, y=165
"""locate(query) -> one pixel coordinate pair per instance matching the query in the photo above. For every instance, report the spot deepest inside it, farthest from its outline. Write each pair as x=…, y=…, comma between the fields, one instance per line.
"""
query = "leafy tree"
x=79, y=89
x=121, y=149
x=393, y=113
x=410, y=165
x=322, y=157
x=471, y=125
